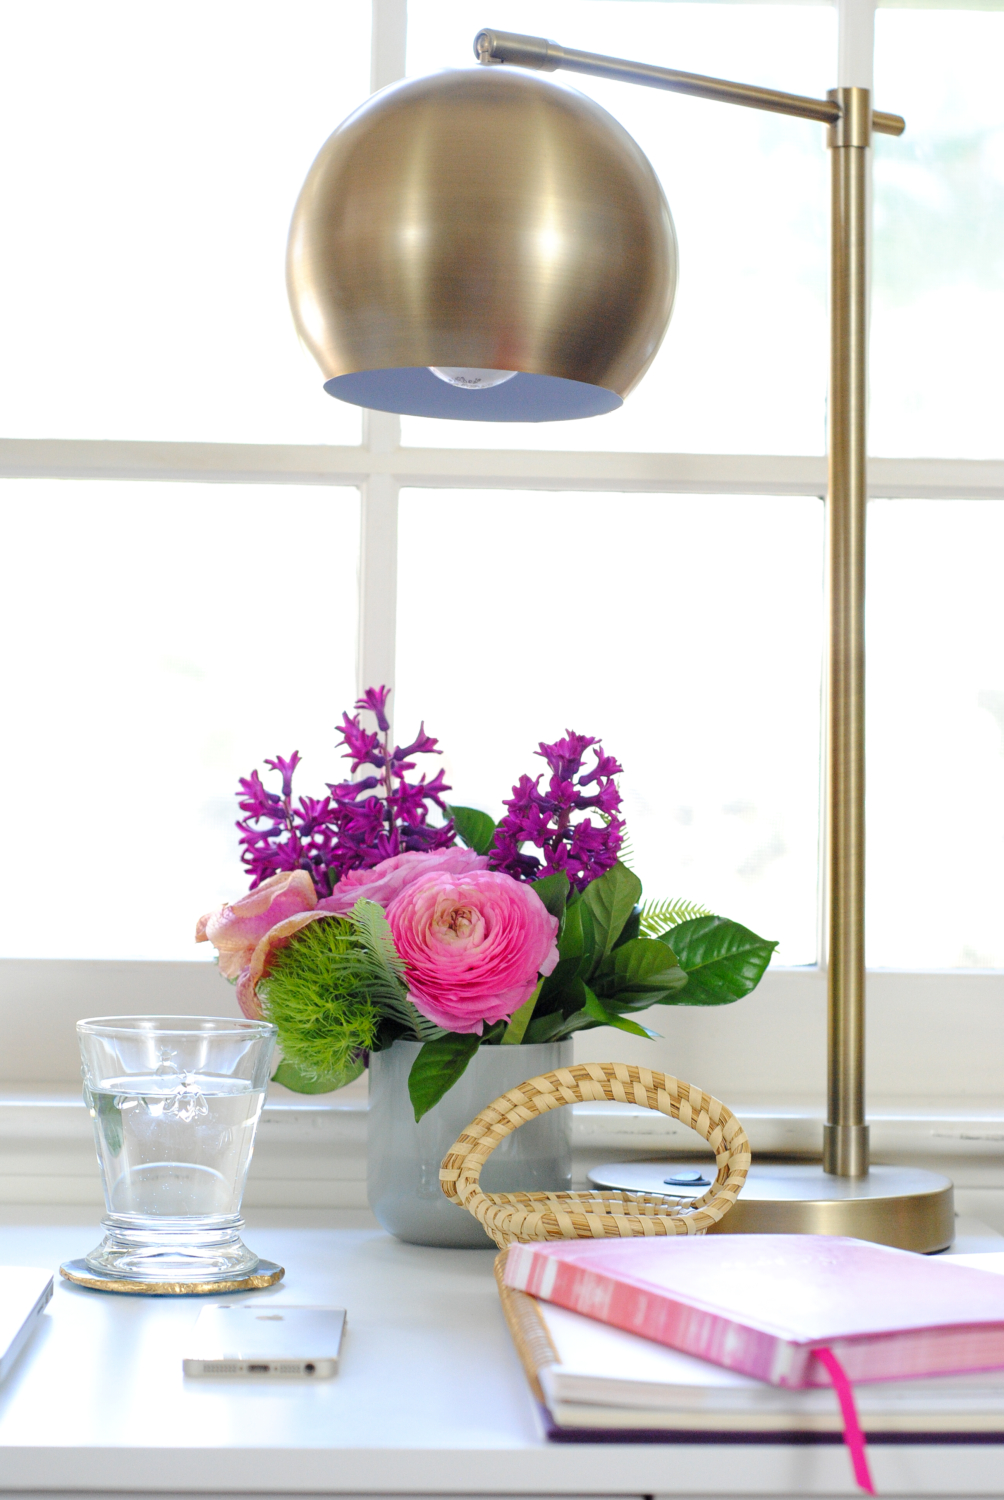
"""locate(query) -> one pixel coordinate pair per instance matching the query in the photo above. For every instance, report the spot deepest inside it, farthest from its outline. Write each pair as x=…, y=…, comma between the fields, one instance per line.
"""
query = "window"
x=712, y=708
x=163, y=634
x=938, y=322
x=152, y=157
x=936, y=727
x=204, y=553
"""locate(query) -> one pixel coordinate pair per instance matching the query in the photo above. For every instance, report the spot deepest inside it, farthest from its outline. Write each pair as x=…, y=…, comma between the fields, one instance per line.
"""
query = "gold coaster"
x=265, y=1273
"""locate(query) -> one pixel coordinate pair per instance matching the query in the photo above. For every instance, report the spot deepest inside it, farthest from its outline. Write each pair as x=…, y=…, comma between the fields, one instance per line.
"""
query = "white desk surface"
x=430, y=1398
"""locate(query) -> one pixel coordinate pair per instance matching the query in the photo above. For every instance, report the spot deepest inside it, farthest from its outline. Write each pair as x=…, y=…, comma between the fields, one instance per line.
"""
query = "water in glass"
x=175, y=1145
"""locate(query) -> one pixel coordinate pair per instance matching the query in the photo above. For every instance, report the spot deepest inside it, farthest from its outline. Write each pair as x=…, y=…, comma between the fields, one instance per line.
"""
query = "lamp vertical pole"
x=845, y=1135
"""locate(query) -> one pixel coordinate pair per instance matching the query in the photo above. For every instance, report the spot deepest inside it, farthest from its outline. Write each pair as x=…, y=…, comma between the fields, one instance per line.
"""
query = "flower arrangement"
x=381, y=911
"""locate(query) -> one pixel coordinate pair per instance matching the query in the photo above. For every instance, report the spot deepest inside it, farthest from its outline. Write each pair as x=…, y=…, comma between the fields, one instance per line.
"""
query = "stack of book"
x=715, y=1339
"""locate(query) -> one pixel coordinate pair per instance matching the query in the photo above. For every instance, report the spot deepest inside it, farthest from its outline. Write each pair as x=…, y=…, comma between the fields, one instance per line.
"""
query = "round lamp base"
x=901, y=1206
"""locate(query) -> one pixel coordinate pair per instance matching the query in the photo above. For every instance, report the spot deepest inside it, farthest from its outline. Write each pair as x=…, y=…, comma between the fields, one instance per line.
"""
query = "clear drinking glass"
x=175, y=1102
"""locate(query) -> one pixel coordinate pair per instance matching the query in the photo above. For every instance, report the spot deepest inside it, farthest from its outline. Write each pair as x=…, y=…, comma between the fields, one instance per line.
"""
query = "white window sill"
x=311, y=1151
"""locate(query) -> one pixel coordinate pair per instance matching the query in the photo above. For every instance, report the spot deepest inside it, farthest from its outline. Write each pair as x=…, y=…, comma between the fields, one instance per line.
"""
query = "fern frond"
x=386, y=985
x=658, y=917
x=374, y=932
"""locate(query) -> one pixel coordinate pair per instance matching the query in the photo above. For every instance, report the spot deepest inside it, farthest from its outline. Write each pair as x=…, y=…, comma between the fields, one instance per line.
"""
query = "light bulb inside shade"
x=470, y=379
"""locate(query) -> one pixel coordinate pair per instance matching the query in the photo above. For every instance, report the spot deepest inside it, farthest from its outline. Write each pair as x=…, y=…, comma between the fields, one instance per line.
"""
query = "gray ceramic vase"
x=404, y=1157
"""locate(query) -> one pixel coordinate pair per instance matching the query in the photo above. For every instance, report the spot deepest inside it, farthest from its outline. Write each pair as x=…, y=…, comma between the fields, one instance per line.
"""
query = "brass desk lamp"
x=488, y=247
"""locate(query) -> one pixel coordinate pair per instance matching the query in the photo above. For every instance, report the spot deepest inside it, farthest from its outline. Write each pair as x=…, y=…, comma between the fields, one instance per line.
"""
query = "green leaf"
x=723, y=960
x=658, y=916
x=576, y=942
x=631, y=929
x=554, y=1028
x=641, y=964
x=474, y=827
x=437, y=1068
x=611, y=899
x=548, y=1028
x=577, y=939
x=291, y=1077
x=560, y=1019
x=553, y=891
x=597, y=1010
x=521, y=1019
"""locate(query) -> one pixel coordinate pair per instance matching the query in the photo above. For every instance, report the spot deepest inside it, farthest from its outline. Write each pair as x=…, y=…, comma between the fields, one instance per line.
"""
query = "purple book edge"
x=556, y=1434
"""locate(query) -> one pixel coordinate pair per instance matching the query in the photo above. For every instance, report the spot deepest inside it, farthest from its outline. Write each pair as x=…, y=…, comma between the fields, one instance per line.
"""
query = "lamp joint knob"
x=854, y=127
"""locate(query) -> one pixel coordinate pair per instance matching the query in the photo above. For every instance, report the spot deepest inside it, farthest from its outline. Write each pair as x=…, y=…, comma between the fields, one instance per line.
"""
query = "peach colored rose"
x=236, y=930
x=260, y=961
x=472, y=945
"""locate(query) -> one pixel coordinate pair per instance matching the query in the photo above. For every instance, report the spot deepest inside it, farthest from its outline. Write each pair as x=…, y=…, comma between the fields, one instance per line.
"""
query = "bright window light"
x=152, y=157
x=684, y=630
x=166, y=639
x=937, y=330
x=935, y=734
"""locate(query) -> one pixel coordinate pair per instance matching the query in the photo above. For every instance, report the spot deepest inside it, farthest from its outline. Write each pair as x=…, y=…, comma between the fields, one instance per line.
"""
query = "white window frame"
x=775, y=1043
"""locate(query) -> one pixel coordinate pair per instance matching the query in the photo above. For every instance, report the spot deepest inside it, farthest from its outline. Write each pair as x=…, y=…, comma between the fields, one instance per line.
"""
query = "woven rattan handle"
x=557, y=1216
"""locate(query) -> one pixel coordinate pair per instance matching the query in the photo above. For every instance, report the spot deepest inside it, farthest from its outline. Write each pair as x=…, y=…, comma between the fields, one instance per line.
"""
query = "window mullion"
x=381, y=434
x=856, y=69
x=856, y=44
x=389, y=42
x=377, y=582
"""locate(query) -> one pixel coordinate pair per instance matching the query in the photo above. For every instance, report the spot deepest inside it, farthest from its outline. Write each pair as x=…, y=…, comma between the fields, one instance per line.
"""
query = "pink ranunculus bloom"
x=236, y=930
x=472, y=945
x=383, y=882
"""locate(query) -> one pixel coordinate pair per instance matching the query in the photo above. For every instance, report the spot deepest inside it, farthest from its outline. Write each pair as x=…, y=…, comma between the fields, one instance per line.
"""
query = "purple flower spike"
x=375, y=699
x=583, y=849
x=285, y=769
x=360, y=822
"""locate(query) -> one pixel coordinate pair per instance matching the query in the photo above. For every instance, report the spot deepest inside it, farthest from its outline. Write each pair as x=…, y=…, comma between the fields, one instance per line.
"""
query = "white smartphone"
x=256, y=1339
x=23, y=1295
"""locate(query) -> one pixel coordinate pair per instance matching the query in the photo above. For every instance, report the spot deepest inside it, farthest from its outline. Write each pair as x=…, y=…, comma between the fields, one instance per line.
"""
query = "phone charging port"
x=258, y=1369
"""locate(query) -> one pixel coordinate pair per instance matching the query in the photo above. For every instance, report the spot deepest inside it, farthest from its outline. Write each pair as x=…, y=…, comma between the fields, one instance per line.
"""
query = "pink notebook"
x=763, y=1303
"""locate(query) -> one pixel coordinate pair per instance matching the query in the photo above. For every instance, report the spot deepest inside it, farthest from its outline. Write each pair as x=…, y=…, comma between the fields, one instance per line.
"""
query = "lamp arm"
x=538, y=53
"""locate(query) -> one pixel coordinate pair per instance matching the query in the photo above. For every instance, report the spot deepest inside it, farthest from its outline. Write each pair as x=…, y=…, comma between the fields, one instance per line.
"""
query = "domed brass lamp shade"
x=479, y=223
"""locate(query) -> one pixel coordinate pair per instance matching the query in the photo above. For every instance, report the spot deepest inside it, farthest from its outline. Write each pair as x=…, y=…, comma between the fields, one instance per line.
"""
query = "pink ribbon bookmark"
x=853, y=1436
